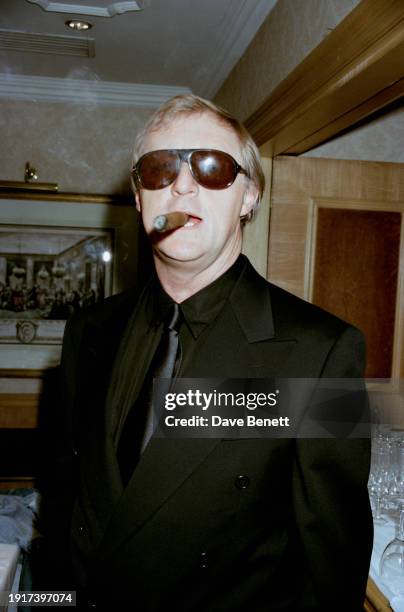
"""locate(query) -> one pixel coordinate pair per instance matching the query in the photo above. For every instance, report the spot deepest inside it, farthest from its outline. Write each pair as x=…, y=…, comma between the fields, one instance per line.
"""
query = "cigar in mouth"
x=170, y=221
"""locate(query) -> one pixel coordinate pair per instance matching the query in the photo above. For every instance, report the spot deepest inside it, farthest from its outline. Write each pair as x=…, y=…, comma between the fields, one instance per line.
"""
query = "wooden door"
x=336, y=239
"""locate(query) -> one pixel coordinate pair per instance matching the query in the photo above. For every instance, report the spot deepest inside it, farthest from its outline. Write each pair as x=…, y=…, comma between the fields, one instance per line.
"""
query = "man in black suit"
x=206, y=524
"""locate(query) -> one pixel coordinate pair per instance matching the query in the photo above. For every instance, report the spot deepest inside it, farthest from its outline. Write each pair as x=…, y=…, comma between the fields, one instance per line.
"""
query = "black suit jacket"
x=296, y=534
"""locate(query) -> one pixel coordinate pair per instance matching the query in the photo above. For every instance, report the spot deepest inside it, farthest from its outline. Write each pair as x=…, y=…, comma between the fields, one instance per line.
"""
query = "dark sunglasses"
x=210, y=168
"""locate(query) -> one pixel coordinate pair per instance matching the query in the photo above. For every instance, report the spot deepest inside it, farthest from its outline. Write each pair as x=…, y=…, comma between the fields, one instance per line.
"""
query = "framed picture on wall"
x=58, y=255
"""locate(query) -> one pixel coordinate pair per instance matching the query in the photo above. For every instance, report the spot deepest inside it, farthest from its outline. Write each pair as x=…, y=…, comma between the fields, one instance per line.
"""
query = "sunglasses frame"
x=184, y=156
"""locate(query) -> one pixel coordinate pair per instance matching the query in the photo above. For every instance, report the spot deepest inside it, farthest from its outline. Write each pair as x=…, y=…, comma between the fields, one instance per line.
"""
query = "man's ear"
x=249, y=200
x=138, y=201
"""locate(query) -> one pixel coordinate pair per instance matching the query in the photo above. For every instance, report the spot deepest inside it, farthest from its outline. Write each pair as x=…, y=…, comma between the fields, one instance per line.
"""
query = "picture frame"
x=50, y=251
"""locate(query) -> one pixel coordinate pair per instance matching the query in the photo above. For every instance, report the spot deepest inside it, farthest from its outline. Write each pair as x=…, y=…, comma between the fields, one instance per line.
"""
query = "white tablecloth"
x=383, y=535
x=9, y=554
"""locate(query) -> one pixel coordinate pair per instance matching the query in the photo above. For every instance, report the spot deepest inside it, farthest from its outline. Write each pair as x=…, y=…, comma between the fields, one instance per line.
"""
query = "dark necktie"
x=166, y=356
x=138, y=427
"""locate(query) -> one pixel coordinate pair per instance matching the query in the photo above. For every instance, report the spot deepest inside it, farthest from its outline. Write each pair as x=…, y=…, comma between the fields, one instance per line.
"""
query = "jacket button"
x=204, y=560
x=242, y=482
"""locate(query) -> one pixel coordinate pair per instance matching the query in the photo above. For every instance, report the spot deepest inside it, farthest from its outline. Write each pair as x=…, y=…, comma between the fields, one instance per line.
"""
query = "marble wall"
x=380, y=139
x=84, y=148
x=290, y=32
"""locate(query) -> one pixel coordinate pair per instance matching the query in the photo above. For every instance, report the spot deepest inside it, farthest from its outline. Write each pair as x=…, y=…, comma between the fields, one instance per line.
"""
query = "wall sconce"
x=30, y=173
x=30, y=182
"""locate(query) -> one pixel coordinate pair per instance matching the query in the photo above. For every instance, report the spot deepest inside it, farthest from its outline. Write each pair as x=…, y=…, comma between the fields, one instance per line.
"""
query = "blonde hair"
x=189, y=104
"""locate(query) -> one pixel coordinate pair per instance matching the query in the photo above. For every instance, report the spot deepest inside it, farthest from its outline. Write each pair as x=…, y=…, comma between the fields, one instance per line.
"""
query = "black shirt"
x=198, y=311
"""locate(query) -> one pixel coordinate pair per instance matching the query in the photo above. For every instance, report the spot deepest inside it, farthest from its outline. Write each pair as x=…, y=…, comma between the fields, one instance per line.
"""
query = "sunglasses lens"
x=158, y=169
x=210, y=168
x=213, y=169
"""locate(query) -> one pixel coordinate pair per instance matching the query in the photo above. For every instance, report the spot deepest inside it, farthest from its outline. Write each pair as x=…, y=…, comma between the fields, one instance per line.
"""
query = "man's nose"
x=185, y=182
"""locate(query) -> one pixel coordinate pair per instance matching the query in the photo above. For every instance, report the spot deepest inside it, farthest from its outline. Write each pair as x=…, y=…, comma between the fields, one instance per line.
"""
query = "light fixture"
x=30, y=173
x=59, y=270
x=80, y=26
x=43, y=274
x=30, y=182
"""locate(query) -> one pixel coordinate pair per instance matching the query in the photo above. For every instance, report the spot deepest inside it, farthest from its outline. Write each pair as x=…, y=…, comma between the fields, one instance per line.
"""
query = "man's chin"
x=179, y=256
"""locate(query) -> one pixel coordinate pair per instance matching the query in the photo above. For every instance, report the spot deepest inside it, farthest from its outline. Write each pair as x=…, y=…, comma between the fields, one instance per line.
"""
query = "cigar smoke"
x=170, y=221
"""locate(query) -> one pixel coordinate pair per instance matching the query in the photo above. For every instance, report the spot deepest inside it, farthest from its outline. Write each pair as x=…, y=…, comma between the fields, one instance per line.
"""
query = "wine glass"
x=379, y=476
x=392, y=560
x=396, y=484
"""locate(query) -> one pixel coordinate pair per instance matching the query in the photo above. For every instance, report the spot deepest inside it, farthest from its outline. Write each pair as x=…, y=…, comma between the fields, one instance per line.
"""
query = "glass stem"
x=401, y=524
x=379, y=506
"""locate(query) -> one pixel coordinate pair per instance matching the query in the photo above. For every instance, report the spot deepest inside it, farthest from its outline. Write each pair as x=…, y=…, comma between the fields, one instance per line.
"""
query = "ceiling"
x=187, y=44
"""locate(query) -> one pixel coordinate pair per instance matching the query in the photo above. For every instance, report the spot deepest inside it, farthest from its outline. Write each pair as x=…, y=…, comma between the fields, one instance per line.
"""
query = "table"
x=9, y=554
x=383, y=534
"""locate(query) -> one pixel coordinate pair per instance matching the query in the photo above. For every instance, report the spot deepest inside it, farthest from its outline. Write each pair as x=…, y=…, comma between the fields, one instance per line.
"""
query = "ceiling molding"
x=242, y=25
x=115, y=8
x=354, y=71
x=81, y=91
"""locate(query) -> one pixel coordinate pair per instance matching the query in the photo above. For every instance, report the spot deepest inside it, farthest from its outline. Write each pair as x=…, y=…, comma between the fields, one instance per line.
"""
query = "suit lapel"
x=163, y=467
x=267, y=347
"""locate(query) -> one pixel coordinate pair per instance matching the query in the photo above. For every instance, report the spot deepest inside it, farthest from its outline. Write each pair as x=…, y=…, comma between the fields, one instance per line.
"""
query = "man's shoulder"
x=294, y=316
x=298, y=313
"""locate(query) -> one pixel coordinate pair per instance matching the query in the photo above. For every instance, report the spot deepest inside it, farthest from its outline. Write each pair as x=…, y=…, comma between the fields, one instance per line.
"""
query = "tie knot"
x=174, y=317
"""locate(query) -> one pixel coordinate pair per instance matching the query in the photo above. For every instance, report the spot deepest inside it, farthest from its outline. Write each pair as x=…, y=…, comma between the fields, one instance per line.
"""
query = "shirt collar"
x=200, y=309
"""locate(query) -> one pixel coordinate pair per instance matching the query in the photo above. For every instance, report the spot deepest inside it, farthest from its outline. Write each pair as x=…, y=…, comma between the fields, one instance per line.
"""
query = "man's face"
x=214, y=233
